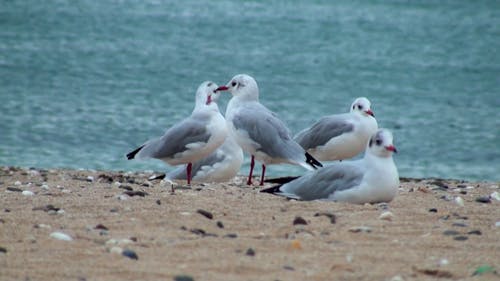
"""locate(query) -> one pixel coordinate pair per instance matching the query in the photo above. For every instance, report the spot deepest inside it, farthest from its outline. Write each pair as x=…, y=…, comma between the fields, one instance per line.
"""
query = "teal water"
x=83, y=82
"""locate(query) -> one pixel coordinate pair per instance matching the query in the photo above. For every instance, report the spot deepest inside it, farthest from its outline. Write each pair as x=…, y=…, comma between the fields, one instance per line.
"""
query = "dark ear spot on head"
x=209, y=84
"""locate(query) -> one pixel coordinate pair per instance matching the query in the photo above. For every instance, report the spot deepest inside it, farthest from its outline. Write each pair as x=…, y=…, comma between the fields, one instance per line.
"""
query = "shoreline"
x=124, y=227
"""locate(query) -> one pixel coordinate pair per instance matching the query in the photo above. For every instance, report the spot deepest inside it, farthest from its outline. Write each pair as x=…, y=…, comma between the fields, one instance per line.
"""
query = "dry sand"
x=251, y=236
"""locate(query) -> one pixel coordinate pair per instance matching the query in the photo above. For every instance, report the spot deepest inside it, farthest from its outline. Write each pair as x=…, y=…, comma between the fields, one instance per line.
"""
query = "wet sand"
x=231, y=231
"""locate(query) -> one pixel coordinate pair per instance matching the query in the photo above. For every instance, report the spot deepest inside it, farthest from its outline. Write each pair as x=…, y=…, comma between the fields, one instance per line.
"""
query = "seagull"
x=340, y=136
x=258, y=131
x=372, y=179
x=193, y=138
x=220, y=166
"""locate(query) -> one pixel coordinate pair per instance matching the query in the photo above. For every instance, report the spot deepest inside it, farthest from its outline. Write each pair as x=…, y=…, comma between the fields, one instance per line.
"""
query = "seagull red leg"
x=263, y=173
x=188, y=170
x=252, y=163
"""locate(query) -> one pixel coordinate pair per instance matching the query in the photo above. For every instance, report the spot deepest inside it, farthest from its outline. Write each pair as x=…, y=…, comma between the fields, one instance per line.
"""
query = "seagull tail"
x=313, y=162
x=131, y=155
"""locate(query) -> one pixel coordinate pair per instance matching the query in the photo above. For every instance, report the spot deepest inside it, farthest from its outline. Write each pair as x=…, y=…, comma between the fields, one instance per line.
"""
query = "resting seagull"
x=258, y=131
x=340, y=136
x=193, y=138
x=372, y=179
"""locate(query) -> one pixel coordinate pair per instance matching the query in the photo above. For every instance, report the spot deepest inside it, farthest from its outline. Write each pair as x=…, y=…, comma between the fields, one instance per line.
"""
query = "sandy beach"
x=99, y=225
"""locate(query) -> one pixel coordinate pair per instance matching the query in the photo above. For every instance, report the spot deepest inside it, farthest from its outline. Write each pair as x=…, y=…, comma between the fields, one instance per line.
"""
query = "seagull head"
x=381, y=144
x=241, y=85
x=206, y=93
x=363, y=106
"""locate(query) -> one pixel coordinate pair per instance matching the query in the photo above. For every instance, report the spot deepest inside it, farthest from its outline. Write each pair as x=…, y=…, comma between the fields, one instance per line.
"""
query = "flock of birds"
x=210, y=148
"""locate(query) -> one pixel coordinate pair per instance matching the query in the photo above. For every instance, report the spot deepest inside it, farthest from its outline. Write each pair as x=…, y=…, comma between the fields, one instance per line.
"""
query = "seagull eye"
x=233, y=84
x=378, y=142
x=360, y=106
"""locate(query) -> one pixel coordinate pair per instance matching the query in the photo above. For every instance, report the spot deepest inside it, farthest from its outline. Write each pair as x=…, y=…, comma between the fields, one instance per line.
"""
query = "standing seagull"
x=340, y=136
x=372, y=179
x=258, y=131
x=191, y=139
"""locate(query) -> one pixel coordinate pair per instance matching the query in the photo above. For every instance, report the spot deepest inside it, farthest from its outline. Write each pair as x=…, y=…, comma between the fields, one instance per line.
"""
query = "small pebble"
x=250, y=252
x=397, y=278
x=483, y=199
x=433, y=210
x=90, y=178
x=60, y=212
x=135, y=193
x=358, y=229
x=220, y=224
x=332, y=216
x=387, y=215
x=451, y=232
x=299, y=220
x=61, y=236
x=231, y=235
x=206, y=214
x=123, y=197
x=287, y=267
x=14, y=189
x=130, y=254
x=158, y=202
x=497, y=224
x=3, y=250
x=443, y=262
x=116, y=250
x=460, y=238
x=475, y=232
x=495, y=195
x=183, y=278
x=45, y=187
x=17, y=183
x=28, y=193
x=459, y=224
x=101, y=226
x=459, y=201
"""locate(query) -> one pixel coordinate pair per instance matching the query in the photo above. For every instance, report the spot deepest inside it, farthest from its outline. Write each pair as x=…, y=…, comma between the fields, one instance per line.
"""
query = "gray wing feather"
x=322, y=131
x=320, y=184
x=268, y=131
x=176, y=138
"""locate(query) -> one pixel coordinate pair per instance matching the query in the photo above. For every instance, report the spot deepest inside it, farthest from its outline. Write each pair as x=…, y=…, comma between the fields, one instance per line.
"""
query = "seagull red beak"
x=391, y=148
x=222, y=88
x=369, y=112
x=209, y=99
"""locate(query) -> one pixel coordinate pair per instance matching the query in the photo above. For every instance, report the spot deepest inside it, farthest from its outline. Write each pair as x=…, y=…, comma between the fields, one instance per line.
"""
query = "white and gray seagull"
x=193, y=138
x=258, y=131
x=372, y=179
x=340, y=136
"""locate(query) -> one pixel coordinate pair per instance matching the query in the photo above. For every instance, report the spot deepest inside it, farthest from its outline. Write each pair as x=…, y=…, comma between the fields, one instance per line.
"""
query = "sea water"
x=83, y=82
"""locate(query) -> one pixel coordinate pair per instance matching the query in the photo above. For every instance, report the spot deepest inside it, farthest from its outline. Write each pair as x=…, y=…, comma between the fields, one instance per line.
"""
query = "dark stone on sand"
x=231, y=235
x=483, y=199
x=332, y=217
x=101, y=227
x=136, y=193
x=114, y=210
x=126, y=187
x=460, y=238
x=299, y=220
x=433, y=210
x=220, y=224
x=46, y=208
x=183, y=278
x=287, y=267
x=201, y=232
x=475, y=232
x=3, y=250
x=206, y=214
x=6, y=210
x=158, y=202
x=250, y=252
x=14, y=189
x=451, y=232
x=459, y=224
x=130, y=254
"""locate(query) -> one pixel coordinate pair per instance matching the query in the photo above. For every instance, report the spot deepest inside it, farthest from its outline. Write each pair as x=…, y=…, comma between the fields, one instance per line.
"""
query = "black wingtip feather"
x=273, y=190
x=159, y=177
x=131, y=155
x=313, y=162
